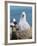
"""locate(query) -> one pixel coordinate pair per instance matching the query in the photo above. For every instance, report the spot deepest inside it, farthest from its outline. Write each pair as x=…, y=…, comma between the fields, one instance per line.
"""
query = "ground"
x=22, y=35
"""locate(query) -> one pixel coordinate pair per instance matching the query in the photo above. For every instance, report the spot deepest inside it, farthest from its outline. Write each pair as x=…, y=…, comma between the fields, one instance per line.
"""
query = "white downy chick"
x=23, y=22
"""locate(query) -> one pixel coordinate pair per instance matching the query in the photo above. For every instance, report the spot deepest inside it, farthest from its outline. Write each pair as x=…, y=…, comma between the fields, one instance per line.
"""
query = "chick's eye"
x=22, y=15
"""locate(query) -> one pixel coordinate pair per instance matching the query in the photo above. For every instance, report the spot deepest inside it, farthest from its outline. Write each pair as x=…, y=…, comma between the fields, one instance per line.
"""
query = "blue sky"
x=15, y=12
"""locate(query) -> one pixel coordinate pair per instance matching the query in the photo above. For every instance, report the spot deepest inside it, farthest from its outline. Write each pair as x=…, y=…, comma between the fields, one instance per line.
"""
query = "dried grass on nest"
x=24, y=34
